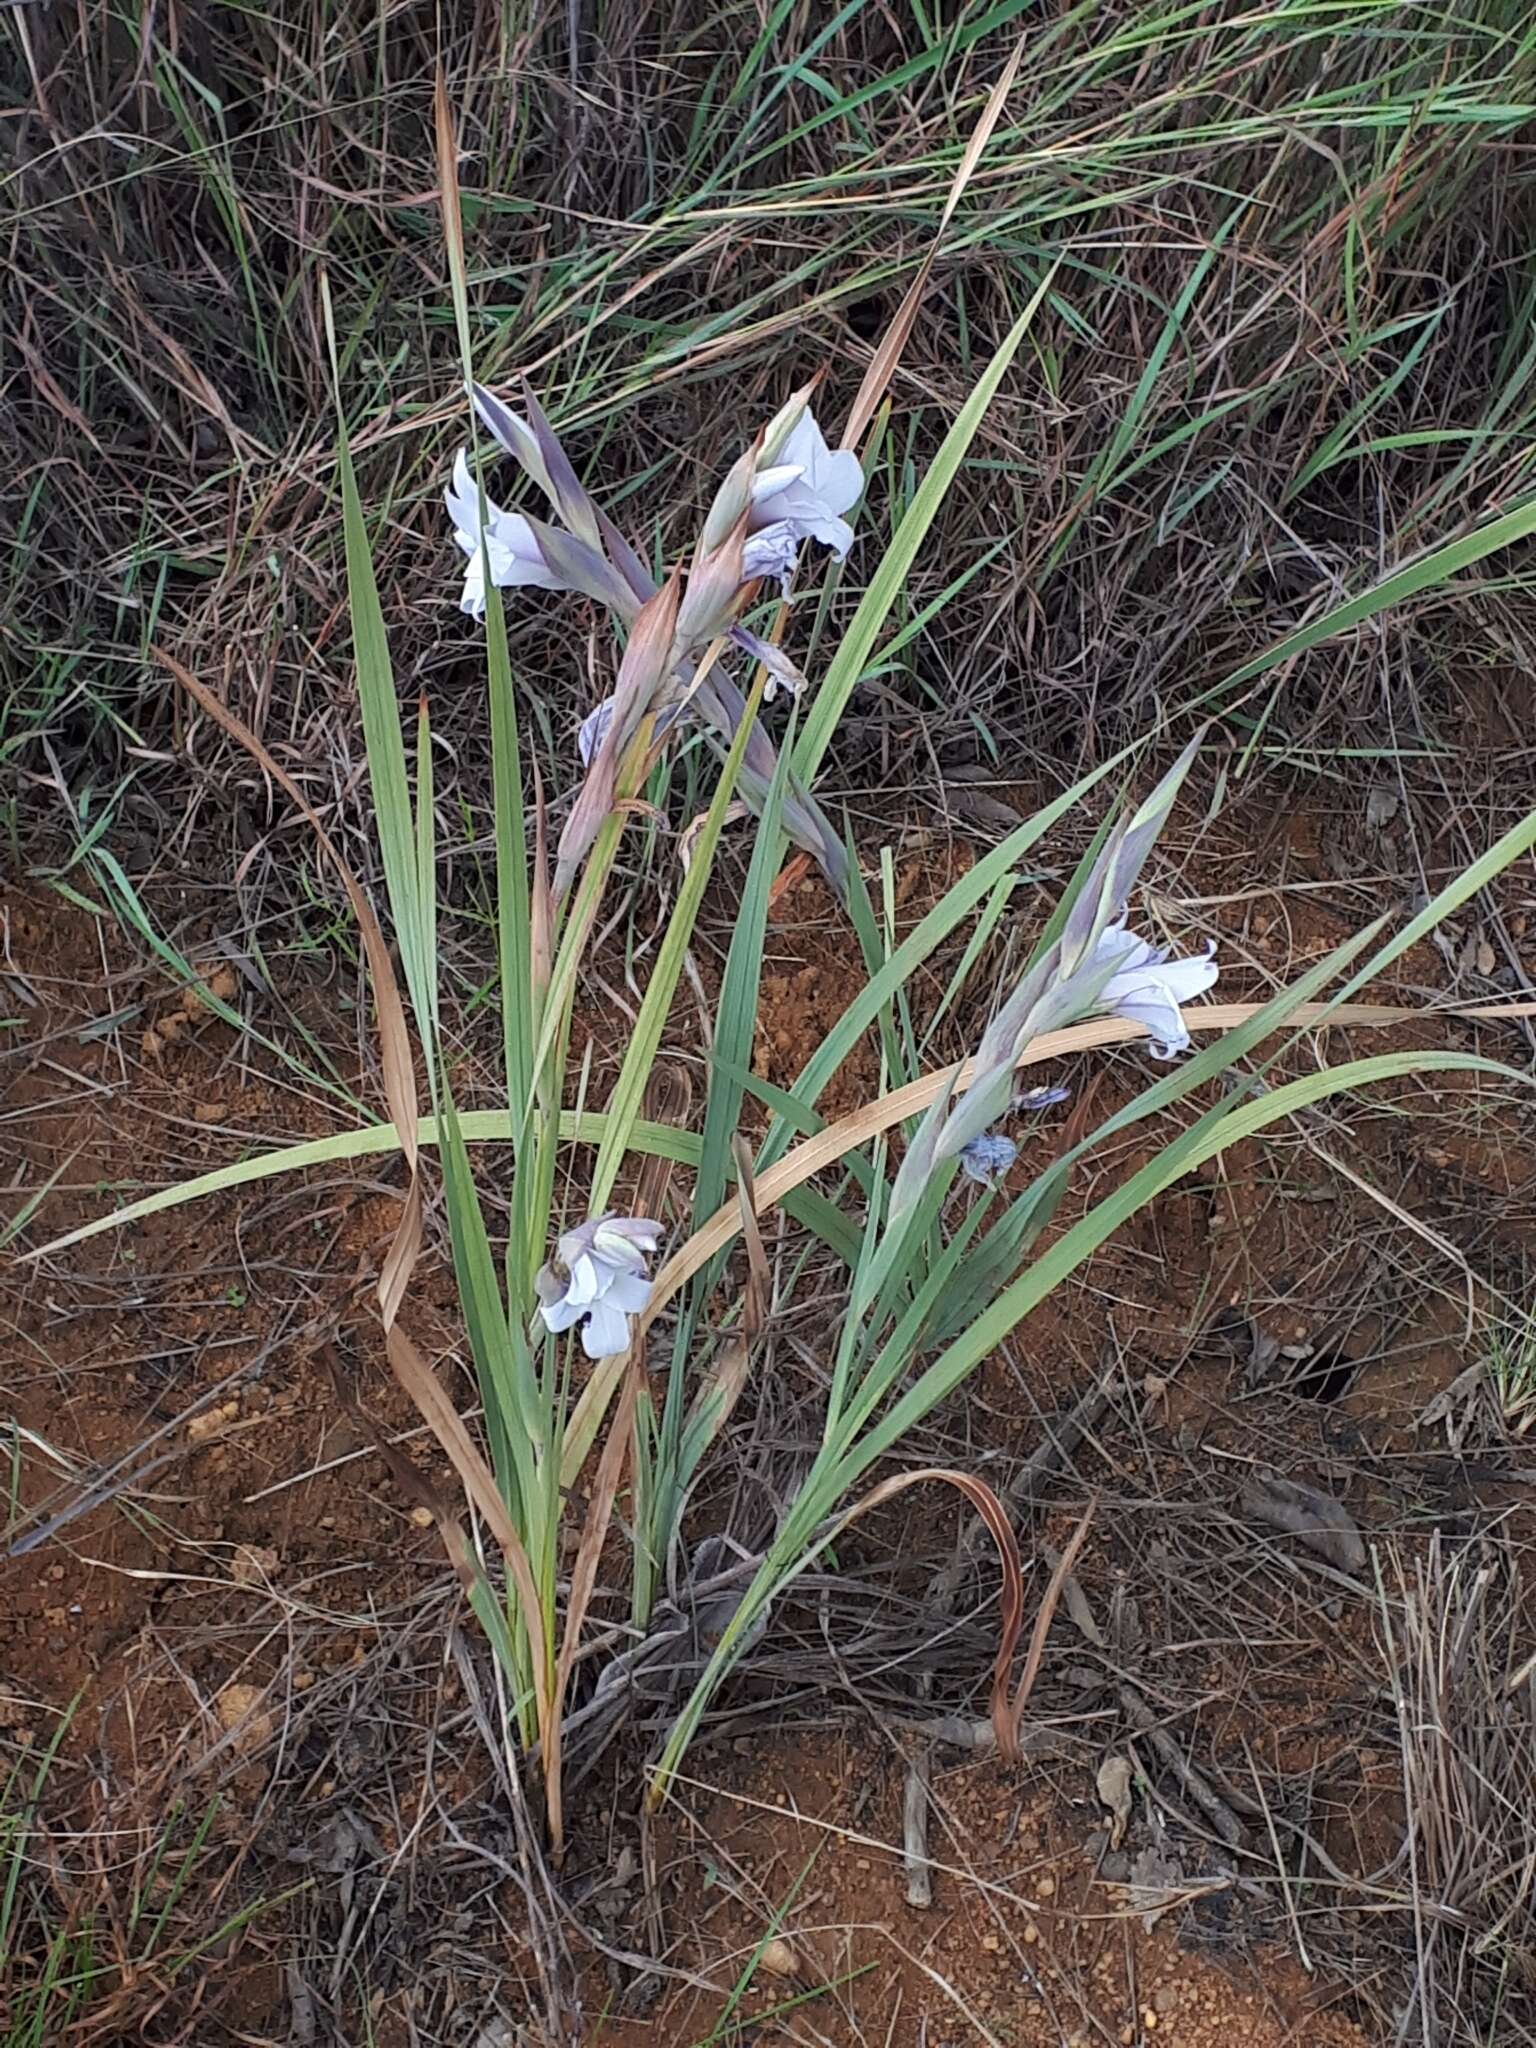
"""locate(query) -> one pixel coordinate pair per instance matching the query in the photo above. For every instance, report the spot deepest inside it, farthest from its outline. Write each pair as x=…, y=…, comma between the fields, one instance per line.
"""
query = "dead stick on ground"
x=1211, y=1804
x=914, y=1821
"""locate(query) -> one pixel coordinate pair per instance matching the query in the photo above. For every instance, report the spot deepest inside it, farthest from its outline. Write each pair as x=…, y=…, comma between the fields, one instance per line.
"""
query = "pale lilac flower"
x=1148, y=985
x=1095, y=964
x=587, y=553
x=987, y=1158
x=1042, y=1098
x=801, y=496
x=510, y=543
x=594, y=727
x=781, y=670
x=606, y=1281
x=772, y=554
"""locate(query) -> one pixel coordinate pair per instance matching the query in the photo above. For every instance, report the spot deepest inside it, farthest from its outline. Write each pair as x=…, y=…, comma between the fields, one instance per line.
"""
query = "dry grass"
x=1238, y=407
x=1456, y=1642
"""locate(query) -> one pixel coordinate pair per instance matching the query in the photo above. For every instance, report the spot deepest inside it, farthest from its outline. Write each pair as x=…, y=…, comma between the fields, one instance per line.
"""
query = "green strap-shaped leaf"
x=848, y=664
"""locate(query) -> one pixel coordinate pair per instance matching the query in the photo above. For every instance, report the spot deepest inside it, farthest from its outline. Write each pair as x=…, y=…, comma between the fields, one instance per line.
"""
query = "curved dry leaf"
x=1322, y=1523
x=1005, y=1718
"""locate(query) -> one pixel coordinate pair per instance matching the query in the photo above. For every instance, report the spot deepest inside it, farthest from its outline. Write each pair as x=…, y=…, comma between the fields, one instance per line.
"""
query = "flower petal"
x=775, y=478
x=630, y=1292
x=1166, y=1033
x=594, y=730
x=589, y=1278
x=1151, y=995
x=770, y=553
x=635, y=1230
x=559, y=1315
x=605, y=1332
x=511, y=544
x=1042, y=1098
x=834, y=475
x=987, y=1158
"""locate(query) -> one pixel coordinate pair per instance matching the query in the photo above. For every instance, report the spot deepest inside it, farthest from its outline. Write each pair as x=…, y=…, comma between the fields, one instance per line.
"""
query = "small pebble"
x=1046, y=1888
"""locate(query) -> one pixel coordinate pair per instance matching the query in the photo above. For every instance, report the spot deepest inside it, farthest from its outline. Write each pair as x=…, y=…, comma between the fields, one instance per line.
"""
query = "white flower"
x=1148, y=986
x=801, y=496
x=772, y=553
x=606, y=1281
x=510, y=543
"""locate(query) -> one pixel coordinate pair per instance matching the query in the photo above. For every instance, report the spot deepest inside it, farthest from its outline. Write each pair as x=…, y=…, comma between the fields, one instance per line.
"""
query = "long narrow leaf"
x=388, y=779
x=825, y=1149
x=848, y=664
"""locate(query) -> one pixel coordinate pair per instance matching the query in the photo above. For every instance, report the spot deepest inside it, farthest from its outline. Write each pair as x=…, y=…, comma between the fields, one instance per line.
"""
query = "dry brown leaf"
x=1114, y=1788
x=1005, y=1716
x=221, y=983
x=242, y=1715
x=605, y=1488
x=1321, y=1522
x=883, y=363
x=1079, y=1611
x=252, y=1564
x=1044, y=1617
x=212, y=1421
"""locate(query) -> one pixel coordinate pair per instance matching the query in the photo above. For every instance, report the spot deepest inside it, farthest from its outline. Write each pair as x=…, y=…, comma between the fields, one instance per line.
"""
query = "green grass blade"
x=383, y=738
x=848, y=664
x=1335, y=447
x=1103, y=475
x=1518, y=840
x=736, y=1010
x=426, y=868
x=1429, y=571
